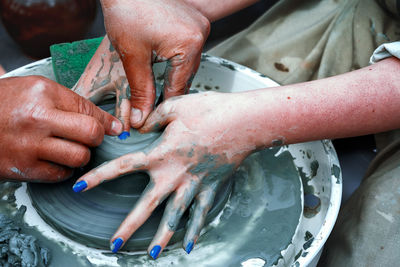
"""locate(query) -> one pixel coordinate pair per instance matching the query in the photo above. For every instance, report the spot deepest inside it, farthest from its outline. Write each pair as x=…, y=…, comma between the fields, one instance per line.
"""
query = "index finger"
x=110, y=170
x=72, y=102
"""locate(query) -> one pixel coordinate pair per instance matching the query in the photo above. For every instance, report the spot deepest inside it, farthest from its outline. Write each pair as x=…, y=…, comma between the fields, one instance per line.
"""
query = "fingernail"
x=189, y=247
x=155, y=251
x=79, y=186
x=124, y=135
x=116, y=245
x=136, y=115
x=116, y=127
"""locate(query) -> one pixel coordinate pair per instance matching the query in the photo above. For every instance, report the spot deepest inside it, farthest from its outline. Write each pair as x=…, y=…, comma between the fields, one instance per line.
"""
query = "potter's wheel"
x=92, y=217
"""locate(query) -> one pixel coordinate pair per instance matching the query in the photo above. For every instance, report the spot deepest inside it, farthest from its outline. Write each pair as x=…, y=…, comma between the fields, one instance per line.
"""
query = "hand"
x=105, y=77
x=144, y=32
x=45, y=129
x=200, y=148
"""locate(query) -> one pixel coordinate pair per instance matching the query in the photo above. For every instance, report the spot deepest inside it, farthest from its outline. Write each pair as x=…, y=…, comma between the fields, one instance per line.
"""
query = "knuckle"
x=164, y=107
x=55, y=173
x=124, y=164
x=39, y=86
x=206, y=25
x=197, y=39
x=80, y=157
x=61, y=175
x=144, y=95
x=154, y=200
x=35, y=110
x=35, y=113
x=39, y=81
x=84, y=107
x=94, y=132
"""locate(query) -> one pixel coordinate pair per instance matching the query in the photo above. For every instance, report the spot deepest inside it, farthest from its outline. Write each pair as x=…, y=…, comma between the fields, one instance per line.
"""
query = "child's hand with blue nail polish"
x=190, y=163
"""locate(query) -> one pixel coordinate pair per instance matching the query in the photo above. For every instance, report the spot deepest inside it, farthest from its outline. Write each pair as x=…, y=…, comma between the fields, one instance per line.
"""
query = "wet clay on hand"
x=144, y=32
x=187, y=163
x=103, y=78
x=110, y=202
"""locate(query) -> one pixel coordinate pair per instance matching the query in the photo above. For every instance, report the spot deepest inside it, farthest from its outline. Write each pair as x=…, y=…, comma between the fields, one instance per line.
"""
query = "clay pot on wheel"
x=37, y=24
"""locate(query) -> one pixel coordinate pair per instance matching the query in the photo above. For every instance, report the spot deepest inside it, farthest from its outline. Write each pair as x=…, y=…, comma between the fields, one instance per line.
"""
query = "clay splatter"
x=19, y=249
x=281, y=67
x=335, y=171
x=314, y=165
x=312, y=205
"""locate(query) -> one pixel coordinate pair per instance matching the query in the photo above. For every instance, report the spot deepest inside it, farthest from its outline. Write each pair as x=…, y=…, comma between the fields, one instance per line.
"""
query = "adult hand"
x=144, y=32
x=201, y=146
x=45, y=129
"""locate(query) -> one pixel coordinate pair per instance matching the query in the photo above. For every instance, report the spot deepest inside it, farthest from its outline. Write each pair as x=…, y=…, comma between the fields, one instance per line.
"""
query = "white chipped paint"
x=255, y=262
x=387, y=216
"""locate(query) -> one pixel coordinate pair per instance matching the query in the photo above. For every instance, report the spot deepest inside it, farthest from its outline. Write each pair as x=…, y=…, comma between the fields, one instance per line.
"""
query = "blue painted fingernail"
x=155, y=251
x=116, y=245
x=189, y=247
x=79, y=186
x=124, y=135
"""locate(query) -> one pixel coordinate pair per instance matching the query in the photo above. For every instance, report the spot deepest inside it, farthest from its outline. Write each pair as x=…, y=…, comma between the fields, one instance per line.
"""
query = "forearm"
x=215, y=10
x=357, y=103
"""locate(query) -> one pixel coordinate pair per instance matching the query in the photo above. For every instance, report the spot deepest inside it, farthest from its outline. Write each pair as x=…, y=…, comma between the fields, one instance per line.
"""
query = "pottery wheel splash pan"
x=92, y=217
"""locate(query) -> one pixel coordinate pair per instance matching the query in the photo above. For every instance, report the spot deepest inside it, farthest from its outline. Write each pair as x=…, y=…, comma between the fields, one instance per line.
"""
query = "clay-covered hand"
x=104, y=77
x=199, y=149
x=45, y=129
x=144, y=32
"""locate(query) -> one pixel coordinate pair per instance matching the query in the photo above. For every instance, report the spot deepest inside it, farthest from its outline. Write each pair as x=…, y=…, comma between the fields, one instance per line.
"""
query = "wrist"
x=261, y=119
x=245, y=120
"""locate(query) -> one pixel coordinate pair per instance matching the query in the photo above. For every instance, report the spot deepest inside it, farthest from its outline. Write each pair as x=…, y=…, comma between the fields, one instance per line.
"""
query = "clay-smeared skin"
x=44, y=127
x=189, y=166
x=207, y=135
x=104, y=77
x=143, y=33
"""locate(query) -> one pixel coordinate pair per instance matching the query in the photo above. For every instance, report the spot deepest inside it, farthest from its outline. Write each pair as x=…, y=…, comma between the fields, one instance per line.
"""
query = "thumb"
x=159, y=118
x=141, y=81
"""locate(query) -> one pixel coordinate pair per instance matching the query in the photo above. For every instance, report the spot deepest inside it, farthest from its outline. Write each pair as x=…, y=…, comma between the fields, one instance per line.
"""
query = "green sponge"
x=70, y=59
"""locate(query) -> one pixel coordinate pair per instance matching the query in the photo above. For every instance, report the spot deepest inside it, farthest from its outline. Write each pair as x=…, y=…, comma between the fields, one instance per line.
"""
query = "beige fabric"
x=297, y=40
x=367, y=232
x=301, y=40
